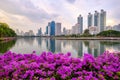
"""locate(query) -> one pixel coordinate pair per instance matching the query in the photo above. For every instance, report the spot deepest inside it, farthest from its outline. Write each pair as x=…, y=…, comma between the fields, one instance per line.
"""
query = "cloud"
x=25, y=8
x=71, y=1
x=29, y=14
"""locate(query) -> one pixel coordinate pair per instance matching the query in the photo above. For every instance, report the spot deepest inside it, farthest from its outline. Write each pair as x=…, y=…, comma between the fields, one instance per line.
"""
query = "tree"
x=5, y=31
x=86, y=31
x=109, y=33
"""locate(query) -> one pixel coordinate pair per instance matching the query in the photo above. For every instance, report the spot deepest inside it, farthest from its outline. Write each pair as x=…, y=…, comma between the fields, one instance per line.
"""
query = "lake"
x=77, y=47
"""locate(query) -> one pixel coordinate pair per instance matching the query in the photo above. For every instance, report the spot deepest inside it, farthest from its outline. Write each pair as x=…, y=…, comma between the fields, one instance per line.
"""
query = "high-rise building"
x=46, y=30
x=102, y=20
x=58, y=29
x=96, y=19
x=39, y=32
x=49, y=29
x=90, y=20
x=52, y=28
x=80, y=22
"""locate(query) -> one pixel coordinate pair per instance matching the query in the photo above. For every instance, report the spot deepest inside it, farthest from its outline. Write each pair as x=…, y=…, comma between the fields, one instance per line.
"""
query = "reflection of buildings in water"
x=101, y=48
x=52, y=45
x=58, y=46
x=29, y=40
x=47, y=44
x=78, y=46
x=80, y=50
x=94, y=47
x=65, y=43
x=19, y=41
x=39, y=40
x=23, y=41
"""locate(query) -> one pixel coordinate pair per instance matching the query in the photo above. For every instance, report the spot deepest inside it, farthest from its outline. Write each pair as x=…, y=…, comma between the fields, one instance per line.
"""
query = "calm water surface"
x=76, y=47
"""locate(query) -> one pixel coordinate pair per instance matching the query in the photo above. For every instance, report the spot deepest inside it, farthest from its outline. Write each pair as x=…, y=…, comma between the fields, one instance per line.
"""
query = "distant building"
x=76, y=29
x=68, y=32
x=39, y=32
x=99, y=21
x=64, y=31
x=49, y=29
x=58, y=29
x=102, y=20
x=96, y=19
x=22, y=33
x=80, y=22
x=46, y=30
x=93, y=30
x=52, y=28
x=19, y=33
x=90, y=20
x=116, y=27
x=29, y=33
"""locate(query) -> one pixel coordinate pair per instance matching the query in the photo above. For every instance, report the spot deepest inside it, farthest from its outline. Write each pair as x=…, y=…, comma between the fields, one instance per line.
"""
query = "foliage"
x=109, y=33
x=5, y=31
x=49, y=66
x=86, y=31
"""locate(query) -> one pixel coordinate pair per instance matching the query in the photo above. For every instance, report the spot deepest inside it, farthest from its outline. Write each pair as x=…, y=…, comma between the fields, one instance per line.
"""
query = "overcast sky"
x=32, y=14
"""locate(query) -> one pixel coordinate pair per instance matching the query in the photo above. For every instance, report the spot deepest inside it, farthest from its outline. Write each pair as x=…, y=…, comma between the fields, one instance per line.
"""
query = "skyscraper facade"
x=46, y=30
x=80, y=22
x=102, y=20
x=58, y=29
x=90, y=20
x=49, y=29
x=52, y=28
x=96, y=19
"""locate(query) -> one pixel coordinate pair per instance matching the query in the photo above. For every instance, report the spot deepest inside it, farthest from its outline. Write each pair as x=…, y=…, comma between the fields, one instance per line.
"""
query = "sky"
x=28, y=15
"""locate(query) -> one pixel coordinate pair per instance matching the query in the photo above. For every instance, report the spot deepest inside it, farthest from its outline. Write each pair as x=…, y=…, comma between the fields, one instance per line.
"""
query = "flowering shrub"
x=48, y=66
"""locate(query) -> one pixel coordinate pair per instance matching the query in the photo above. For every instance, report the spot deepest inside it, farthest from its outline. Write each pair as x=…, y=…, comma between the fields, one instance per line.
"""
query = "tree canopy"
x=109, y=33
x=6, y=31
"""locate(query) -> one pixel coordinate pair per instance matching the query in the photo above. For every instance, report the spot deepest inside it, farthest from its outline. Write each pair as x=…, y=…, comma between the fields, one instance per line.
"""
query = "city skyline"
x=28, y=15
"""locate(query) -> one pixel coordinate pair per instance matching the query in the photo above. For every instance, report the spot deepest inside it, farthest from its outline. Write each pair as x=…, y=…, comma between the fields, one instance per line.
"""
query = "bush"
x=48, y=66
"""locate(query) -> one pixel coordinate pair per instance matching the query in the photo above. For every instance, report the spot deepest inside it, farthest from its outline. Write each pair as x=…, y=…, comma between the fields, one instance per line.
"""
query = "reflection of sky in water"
x=76, y=47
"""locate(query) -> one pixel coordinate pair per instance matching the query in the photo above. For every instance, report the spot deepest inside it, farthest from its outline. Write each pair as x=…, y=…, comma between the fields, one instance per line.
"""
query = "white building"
x=93, y=30
x=58, y=29
x=76, y=29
